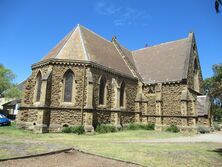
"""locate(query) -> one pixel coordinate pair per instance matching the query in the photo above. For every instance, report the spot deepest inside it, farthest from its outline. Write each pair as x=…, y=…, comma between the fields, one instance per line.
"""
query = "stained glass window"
x=39, y=85
x=122, y=92
x=102, y=87
x=68, y=79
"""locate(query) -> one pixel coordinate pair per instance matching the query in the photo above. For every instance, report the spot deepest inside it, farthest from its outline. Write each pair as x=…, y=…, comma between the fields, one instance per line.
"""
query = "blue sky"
x=29, y=29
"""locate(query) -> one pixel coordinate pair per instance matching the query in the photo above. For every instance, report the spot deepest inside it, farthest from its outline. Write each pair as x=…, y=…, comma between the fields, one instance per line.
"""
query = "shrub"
x=106, y=128
x=78, y=129
x=203, y=129
x=149, y=127
x=66, y=130
x=173, y=128
x=74, y=129
x=133, y=126
x=216, y=126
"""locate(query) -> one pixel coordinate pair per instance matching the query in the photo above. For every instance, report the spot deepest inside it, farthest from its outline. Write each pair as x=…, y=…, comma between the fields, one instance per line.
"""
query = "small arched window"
x=68, y=86
x=102, y=90
x=39, y=85
x=122, y=94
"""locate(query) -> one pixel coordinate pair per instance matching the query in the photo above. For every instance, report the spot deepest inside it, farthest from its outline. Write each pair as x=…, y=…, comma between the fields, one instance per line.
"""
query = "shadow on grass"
x=218, y=150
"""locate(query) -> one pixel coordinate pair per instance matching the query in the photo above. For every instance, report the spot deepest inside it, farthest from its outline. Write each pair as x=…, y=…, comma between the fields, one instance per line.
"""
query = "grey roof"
x=160, y=63
x=83, y=44
x=164, y=62
x=128, y=54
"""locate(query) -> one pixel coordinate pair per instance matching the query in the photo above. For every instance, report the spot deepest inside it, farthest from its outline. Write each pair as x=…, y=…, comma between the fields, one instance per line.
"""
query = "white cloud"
x=104, y=9
x=122, y=16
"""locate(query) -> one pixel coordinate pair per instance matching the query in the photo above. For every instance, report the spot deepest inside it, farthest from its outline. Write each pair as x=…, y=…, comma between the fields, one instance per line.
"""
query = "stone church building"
x=86, y=79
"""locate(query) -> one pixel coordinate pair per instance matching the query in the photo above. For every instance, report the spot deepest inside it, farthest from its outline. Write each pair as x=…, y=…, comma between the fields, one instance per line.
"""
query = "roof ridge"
x=125, y=58
x=69, y=36
x=57, y=45
x=164, y=43
x=94, y=33
x=83, y=44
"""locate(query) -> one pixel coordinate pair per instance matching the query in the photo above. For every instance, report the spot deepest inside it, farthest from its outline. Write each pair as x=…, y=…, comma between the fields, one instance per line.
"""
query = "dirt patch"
x=67, y=159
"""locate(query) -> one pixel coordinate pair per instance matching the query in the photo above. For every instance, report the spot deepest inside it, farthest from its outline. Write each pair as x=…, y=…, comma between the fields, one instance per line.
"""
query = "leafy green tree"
x=7, y=88
x=218, y=3
x=13, y=92
x=213, y=87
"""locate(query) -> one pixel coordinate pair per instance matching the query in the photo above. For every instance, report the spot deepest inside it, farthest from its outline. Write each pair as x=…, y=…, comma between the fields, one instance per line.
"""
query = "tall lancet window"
x=102, y=90
x=122, y=94
x=68, y=86
x=39, y=86
x=196, y=76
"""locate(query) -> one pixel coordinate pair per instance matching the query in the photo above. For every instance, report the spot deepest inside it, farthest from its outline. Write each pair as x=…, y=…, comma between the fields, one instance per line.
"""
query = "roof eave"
x=81, y=62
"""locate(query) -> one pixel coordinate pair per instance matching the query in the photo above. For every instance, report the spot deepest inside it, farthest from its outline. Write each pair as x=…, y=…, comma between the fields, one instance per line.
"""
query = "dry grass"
x=179, y=154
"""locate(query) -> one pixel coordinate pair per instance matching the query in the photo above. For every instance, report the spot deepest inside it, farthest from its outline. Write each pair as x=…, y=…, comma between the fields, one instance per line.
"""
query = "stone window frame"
x=124, y=96
x=105, y=92
x=115, y=94
x=196, y=75
x=72, y=102
x=35, y=101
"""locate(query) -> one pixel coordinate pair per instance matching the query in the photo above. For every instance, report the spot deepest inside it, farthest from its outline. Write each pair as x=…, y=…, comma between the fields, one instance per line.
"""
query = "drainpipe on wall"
x=83, y=94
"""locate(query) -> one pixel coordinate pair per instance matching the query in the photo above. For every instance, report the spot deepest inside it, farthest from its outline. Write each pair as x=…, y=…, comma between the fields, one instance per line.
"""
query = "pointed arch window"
x=102, y=90
x=122, y=94
x=68, y=86
x=39, y=86
x=196, y=75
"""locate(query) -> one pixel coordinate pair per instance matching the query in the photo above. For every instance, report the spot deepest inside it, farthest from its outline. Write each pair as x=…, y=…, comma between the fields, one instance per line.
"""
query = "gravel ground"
x=67, y=159
x=211, y=137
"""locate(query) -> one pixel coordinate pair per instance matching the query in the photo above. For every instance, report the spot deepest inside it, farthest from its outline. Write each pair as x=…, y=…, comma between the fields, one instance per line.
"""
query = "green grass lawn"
x=16, y=142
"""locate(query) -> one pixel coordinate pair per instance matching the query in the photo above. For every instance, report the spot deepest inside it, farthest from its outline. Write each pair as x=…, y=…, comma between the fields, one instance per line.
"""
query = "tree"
x=213, y=87
x=218, y=3
x=7, y=88
x=13, y=92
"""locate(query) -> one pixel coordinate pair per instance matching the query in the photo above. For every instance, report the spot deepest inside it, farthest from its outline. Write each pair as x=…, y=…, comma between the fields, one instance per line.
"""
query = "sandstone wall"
x=127, y=117
x=102, y=117
x=149, y=92
x=65, y=117
x=163, y=101
x=203, y=121
x=58, y=113
x=171, y=99
x=130, y=89
x=29, y=91
x=104, y=114
x=57, y=85
x=190, y=74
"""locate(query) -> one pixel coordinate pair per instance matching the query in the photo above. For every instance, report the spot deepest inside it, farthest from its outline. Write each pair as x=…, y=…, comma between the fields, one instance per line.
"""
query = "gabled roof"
x=83, y=44
x=161, y=63
x=165, y=62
